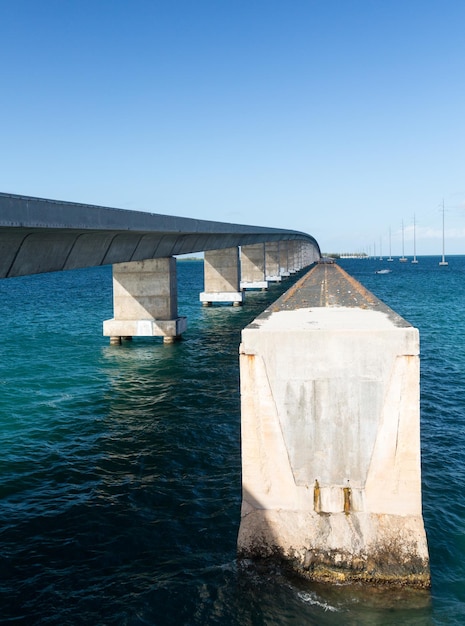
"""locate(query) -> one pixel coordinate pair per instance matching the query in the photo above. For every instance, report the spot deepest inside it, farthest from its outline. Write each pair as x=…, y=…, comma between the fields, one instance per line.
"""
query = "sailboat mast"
x=443, y=242
x=414, y=241
x=443, y=262
x=402, y=258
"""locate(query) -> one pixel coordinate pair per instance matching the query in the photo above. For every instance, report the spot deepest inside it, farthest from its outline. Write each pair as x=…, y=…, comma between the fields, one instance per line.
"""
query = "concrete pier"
x=145, y=301
x=222, y=277
x=305, y=255
x=272, y=262
x=253, y=267
x=294, y=252
x=284, y=259
x=331, y=436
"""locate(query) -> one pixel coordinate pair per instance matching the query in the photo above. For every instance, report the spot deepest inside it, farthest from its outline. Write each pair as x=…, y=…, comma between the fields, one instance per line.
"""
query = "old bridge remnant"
x=331, y=435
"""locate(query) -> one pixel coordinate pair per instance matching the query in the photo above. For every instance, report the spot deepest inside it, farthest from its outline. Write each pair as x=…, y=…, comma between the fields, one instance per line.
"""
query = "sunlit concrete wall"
x=331, y=435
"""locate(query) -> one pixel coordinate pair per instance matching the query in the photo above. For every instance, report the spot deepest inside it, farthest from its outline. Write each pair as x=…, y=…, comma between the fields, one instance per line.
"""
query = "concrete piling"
x=145, y=301
x=253, y=267
x=222, y=277
x=331, y=436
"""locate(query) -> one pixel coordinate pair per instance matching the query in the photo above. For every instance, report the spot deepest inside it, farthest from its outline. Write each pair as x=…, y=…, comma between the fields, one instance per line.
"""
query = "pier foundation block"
x=253, y=267
x=272, y=262
x=145, y=301
x=294, y=257
x=222, y=277
x=284, y=259
x=331, y=436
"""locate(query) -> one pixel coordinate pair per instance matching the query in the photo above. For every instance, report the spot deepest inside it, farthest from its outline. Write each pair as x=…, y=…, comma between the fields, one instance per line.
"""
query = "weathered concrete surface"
x=39, y=235
x=330, y=435
x=145, y=301
x=222, y=277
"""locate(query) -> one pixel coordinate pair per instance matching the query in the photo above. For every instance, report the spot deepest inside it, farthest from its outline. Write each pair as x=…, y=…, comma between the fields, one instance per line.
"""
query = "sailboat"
x=403, y=258
x=443, y=261
x=390, y=255
x=414, y=242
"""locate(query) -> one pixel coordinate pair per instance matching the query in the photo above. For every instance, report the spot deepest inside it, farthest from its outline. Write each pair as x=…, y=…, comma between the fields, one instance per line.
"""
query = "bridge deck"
x=38, y=235
x=328, y=285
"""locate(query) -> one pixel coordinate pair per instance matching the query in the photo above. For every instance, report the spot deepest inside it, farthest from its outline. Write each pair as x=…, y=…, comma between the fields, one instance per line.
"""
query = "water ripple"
x=120, y=467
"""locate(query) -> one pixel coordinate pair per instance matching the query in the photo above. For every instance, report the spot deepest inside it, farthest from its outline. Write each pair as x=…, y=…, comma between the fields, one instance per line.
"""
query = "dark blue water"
x=120, y=465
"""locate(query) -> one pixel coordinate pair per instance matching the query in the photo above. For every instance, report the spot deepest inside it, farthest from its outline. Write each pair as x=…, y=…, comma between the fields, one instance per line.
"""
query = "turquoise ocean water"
x=120, y=466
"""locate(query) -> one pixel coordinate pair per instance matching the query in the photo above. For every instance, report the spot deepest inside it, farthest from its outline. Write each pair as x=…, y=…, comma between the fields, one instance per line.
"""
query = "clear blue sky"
x=340, y=118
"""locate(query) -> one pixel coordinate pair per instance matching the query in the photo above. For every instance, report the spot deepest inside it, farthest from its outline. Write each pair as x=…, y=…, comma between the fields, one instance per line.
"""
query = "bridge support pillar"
x=145, y=301
x=221, y=269
x=293, y=248
x=272, y=262
x=301, y=255
x=253, y=267
x=330, y=436
x=284, y=259
x=309, y=255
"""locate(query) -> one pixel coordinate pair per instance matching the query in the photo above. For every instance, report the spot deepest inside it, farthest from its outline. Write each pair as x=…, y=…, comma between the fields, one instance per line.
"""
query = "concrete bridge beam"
x=145, y=302
x=222, y=277
x=331, y=436
x=39, y=235
x=253, y=267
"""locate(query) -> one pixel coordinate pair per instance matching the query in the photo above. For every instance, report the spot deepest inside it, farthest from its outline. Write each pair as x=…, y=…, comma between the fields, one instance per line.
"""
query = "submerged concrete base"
x=221, y=274
x=356, y=547
x=253, y=267
x=236, y=298
x=255, y=284
x=145, y=302
x=145, y=328
x=331, y=436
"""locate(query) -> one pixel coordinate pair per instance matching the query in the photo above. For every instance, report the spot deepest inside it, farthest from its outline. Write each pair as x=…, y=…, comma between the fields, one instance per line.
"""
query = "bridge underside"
x=39, y=236
x=34, y=251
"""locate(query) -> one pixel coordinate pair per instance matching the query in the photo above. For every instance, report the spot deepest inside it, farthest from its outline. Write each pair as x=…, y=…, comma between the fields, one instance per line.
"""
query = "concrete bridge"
x=38, y=235
x=329, y=378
